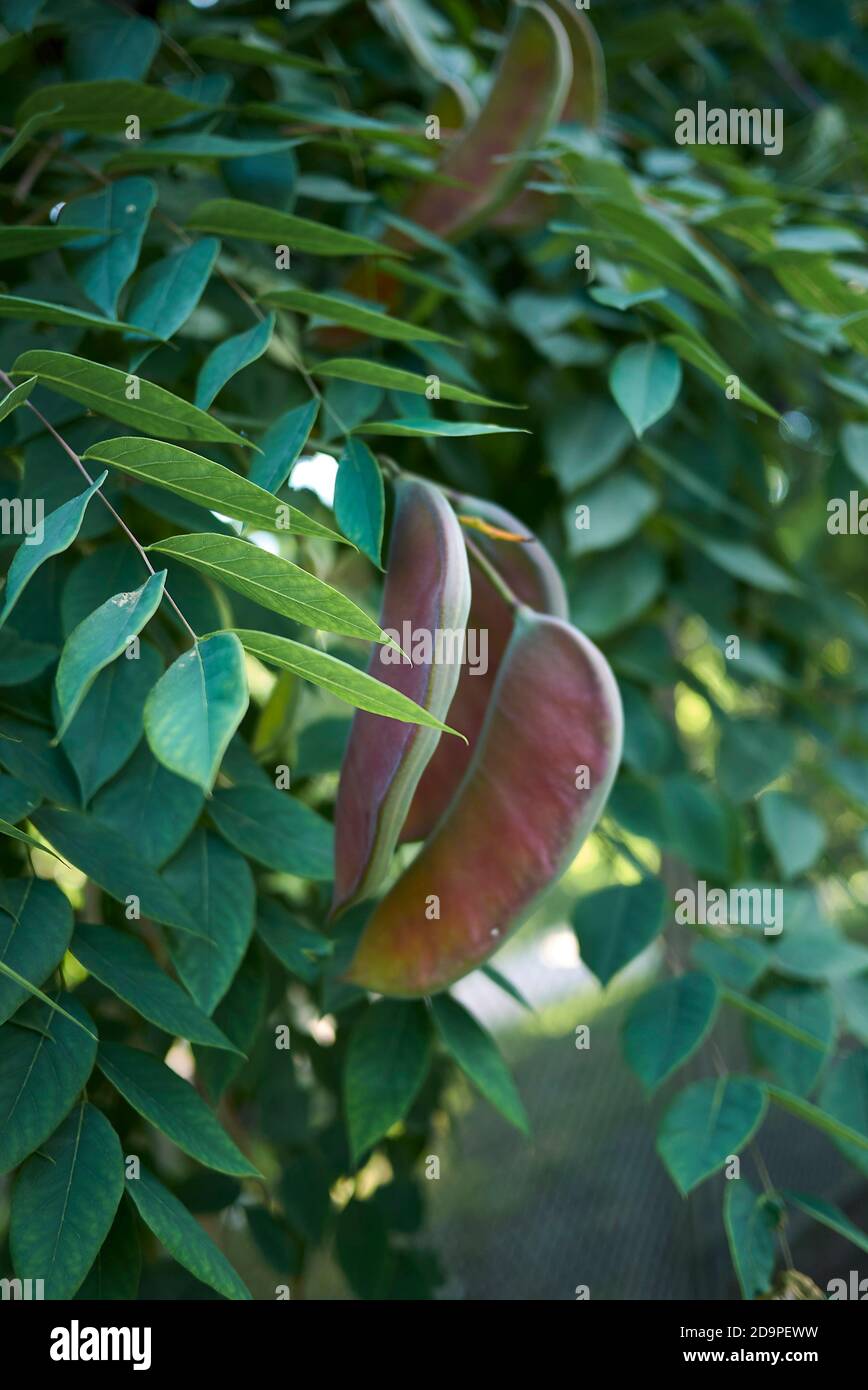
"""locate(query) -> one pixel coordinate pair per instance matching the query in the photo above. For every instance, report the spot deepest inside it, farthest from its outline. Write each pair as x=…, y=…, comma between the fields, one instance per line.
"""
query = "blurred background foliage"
x=617, y=285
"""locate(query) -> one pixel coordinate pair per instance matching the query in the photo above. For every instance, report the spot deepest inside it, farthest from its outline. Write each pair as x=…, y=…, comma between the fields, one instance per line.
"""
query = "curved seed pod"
x=526, y=97
x=518, y=819
x=427, y=591
x=532, y=575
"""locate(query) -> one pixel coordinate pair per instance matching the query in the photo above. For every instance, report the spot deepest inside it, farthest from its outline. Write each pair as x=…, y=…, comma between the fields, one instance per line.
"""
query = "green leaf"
x=150, y=806
x=360, y=505
x=108, y=725
x=751, y=1220
x=195, y=147
x=739, y=962
x=173, y=1106
x=114, y=863
x=366, y=318
x=18, y=242
x=13, y=306
x=275, y=829
x=584, y=440
x=645, y=380
x=338, y=677
x=281, y=446
x=395, y=379
x=705, y=1124
x=795, y=835
x=164, y=296
x=844, y=1097
x=829, y=1215
x=119, y=214
x=231, y=357
x=795, y=1066
x=748, y=564
x=45, y=1062
x=35, y=927
x=116, y=1271
x=105, y=390
x=230, y=217
x=29, y=753
x=195, y=708
x=240, y=1015
x=616, y=588
x=752, y=753
x=112, y=45
x=59, y=530
x=64, y=1202
x=697, y=824
x=17, y=800
x=701, y=355
x=260, y=54
x=438, y=429
x=206, y=483
x=124, y=965
x=667, y=1025
x=21, y=835
x=854, y=445
x=183, y=1237
x=820, y=954
x=300, y=950
x=27, y=129
x=17, y=396
x=476, y=1053
x=851, y=995
x=617, y=506
x=387, y=1061
x=99, y=639
x=212, y=875
x=615, y=924
x=273, y=582
x=103, y=106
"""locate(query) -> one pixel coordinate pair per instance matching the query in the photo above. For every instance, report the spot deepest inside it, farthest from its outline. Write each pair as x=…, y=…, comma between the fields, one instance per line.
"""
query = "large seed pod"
x=426, y=596
x=531, y=574
x=539, y=780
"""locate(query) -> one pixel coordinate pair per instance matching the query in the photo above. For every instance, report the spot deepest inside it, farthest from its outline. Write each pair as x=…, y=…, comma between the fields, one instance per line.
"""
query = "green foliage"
x=683, y=328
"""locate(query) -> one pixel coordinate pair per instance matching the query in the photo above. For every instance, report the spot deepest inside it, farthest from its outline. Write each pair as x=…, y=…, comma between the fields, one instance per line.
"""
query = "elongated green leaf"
x=173, y=1106
x=231, y=357
x=443, y=429
x=281, y=446
x=115, y=864
x=702, y=356
x=125, y=966
x=150, y=806
x=666, y=1026
x=28, y=752
x=8, y=973
x=13, y=306
x=206, y=483
x=387, y=1061
x=116, y=1271
x=275, y=829
x=99, y=639
x=771, y=1018
x=705, y=1124
x=231, y=217
x=750, y=1219
x=351, y=314
x=164, y=296
x=360, y=505
x=645, y=380
x=195, y=708
x=27, y=129
x=476, y=1053
x=15, y=834
x=829, y=1215
x=35, y=927
x=745, y=562
x=196, y=147
x=212, y=875
x=59, y=530
x=795, y=834
x=260, y=54
x=17, y=242
x=17, y=396
x=274, y=582
x=300, y=950
x=118, y=214
x=395, y=379
x=240, y=1015
x=108, y=724
x=119, y=396
x=103, y=106
x=45, y=1062
x=615, y=924
x=338, y=677
x=64, y=1202
x=183, y=1237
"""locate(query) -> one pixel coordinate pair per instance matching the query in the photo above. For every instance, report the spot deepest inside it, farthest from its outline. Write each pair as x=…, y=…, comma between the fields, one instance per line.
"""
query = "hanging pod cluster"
x=503, y=814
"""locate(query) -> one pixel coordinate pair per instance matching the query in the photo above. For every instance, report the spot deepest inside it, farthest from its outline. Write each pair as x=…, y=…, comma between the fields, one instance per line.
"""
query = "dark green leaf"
x=281, y=446
x=387, y=1061
x=705, y=1124
x=230, y=217
x=211, y=875
x=59, y=530
x=751, y=1220
x=615, y=924
x=195, y=708
x=666, y=1026
x=35, y=927
x=183, y=1237
x=231, y=357
x=476, y=1053
x=360, y=506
